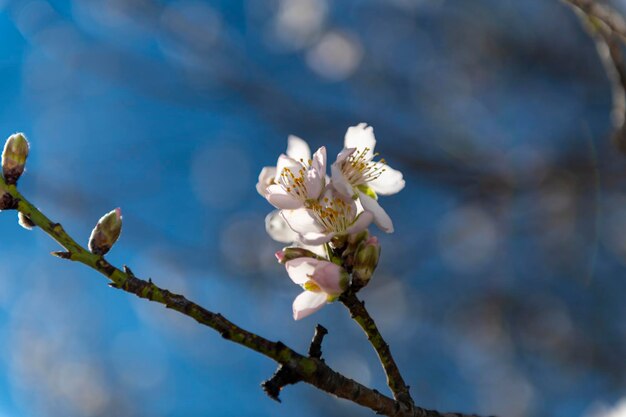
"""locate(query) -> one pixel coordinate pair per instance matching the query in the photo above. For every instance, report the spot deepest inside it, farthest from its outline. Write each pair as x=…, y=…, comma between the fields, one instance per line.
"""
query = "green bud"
x=353, y=243
x=106, y=232
x=14, y=157
x=365, y=262
x=288, y=254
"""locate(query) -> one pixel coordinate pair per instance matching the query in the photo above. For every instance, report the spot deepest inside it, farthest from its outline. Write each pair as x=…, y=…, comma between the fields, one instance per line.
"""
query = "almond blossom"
x=356, y=175
x=325, y=220
x=297, y=177
x=333, y=214
x=322, y=282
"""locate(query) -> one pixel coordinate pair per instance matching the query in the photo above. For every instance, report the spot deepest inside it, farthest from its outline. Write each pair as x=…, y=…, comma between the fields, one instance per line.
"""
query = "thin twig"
x=315, y=350
x=311, y=370
x=359, y=313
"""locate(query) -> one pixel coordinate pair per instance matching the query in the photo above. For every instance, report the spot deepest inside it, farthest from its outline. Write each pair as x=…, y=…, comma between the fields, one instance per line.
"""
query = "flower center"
x=334, y=214
x=311, y=286
x=294, y=182
x=359, y=169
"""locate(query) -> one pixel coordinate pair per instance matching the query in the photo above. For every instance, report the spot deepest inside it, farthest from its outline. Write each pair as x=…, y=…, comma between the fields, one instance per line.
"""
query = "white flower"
x=333, y=214
x=356, y=175
x=322, y=281
x=279, y=230
x=297, y=177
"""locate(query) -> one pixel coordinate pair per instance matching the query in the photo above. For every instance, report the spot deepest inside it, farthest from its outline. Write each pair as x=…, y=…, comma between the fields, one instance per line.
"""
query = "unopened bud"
x=353, y=244
x=14, y=157
x=288, y=254
x=365, y=262
x=106, y=232
x=25, y=221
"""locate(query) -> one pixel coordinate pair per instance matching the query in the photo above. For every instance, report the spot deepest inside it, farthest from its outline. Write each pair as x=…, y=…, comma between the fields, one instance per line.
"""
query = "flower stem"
x=359, y=313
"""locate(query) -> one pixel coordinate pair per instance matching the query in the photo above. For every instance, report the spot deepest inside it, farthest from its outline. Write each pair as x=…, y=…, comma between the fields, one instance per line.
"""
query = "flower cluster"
x=325, y=219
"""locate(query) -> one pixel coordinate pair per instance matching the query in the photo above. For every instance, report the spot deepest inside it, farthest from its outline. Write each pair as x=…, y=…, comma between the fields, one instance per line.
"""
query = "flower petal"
x=301, y=270
x=329, y=277
x=279, y=198
x=319, y=250
x=381, y=218
x=344, y=154
x=389, y=182
x=361, y=223
x=319, y=160
x=314, y=182
x=266, y=178
x=316, y=238
x=278, y=229
x=301, y=221
x=298, y=149
x=340, y=182
x=286, y=162
x=361, y=136
x=308, y=303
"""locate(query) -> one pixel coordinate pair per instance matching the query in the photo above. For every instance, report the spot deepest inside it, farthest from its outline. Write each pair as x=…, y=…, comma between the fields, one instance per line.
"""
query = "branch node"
x=128, y=272
x=282, y=377
x=315, y=350
x=62, y=254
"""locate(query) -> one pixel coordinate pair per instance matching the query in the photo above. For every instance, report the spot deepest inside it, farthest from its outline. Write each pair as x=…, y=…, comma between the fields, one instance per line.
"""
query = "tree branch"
x=608, y=29
x=359, y=313
x=311, y=370
x=602, y=12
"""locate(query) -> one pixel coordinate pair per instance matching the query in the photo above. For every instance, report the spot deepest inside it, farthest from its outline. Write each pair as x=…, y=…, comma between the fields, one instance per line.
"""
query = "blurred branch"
x=608, y=29
x=602, y=12
x=294, y=367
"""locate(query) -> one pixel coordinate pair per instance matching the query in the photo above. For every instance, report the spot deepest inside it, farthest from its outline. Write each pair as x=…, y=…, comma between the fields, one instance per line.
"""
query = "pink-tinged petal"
x=266, y=178
x=344, y=154
x=278, y=229
x=301, y=221
x=319, y=160
x=285, y=162
x=361, y=136
x=314, y=183
x=381, y=218
x=329, y=277
x=308, y=303
x=389, y=182
x=340, y=182
x=298, y=149
x=278, y=197
x=361, y=223
x=301, y=270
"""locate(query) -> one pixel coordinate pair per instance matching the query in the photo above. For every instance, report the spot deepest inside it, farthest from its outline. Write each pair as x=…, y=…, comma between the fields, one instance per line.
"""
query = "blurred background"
x=501, y=291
